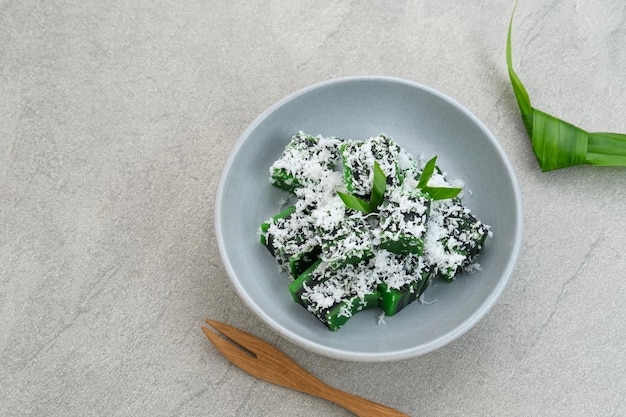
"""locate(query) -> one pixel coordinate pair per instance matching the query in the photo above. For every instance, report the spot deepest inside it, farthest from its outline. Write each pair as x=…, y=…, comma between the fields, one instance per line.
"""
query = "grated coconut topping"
x=353, y=256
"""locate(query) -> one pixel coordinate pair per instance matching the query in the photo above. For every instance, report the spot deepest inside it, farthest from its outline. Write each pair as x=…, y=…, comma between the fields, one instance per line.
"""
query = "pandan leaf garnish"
x=557, y=143
x=436, y=193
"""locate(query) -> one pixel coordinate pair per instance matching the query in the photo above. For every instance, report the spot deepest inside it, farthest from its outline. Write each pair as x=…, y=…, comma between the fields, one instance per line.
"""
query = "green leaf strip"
x=355, y=202
x=521, y=95
x=442, y=193
x=427, y=172
x=378, y=187
x=608, y=149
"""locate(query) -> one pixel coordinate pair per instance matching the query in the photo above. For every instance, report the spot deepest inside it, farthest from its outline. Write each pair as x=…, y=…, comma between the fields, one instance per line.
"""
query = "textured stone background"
x=116, y=118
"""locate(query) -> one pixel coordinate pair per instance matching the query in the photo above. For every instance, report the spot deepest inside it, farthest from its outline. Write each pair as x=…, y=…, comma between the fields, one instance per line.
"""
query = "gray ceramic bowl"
x=421, y=120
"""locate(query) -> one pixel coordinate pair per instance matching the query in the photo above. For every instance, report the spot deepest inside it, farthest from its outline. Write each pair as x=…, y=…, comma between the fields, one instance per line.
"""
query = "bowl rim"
x=340, y=354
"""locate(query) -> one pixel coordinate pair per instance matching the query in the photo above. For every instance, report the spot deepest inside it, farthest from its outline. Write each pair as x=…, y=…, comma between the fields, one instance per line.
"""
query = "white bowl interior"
x=421, y=120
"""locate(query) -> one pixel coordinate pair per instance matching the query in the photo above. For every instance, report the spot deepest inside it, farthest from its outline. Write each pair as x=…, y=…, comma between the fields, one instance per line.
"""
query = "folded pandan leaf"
x=557, y=143
x=436, y=193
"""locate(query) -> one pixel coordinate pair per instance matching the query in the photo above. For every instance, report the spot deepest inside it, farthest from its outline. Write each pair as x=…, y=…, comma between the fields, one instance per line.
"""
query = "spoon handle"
x=360, y=406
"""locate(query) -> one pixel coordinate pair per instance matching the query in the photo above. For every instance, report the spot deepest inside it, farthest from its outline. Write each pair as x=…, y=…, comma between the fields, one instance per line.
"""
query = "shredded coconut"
x=400, y=247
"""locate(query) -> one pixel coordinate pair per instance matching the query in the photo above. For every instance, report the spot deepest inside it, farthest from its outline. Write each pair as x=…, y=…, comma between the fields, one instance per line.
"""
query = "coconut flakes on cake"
x=428, y=237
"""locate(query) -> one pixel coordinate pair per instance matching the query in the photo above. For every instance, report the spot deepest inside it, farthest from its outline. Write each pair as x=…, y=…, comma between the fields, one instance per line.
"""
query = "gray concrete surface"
x=116, y=118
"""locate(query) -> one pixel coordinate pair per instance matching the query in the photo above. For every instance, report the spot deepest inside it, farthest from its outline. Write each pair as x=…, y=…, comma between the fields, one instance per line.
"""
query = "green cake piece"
x=403, y=221
x=454, y=239
x=291, y=239
x=398, y=289
x=305, y=160
x=334, y=296
x=347, y=240
x=358, y=163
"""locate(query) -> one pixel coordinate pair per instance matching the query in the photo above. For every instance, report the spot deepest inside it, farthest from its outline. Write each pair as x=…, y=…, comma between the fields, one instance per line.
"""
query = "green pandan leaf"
x=441, y=193
x=376, y=198
x=427, y=172
x=355, y=202
x=378, y=187
x=557, y=143
x=436, y=193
